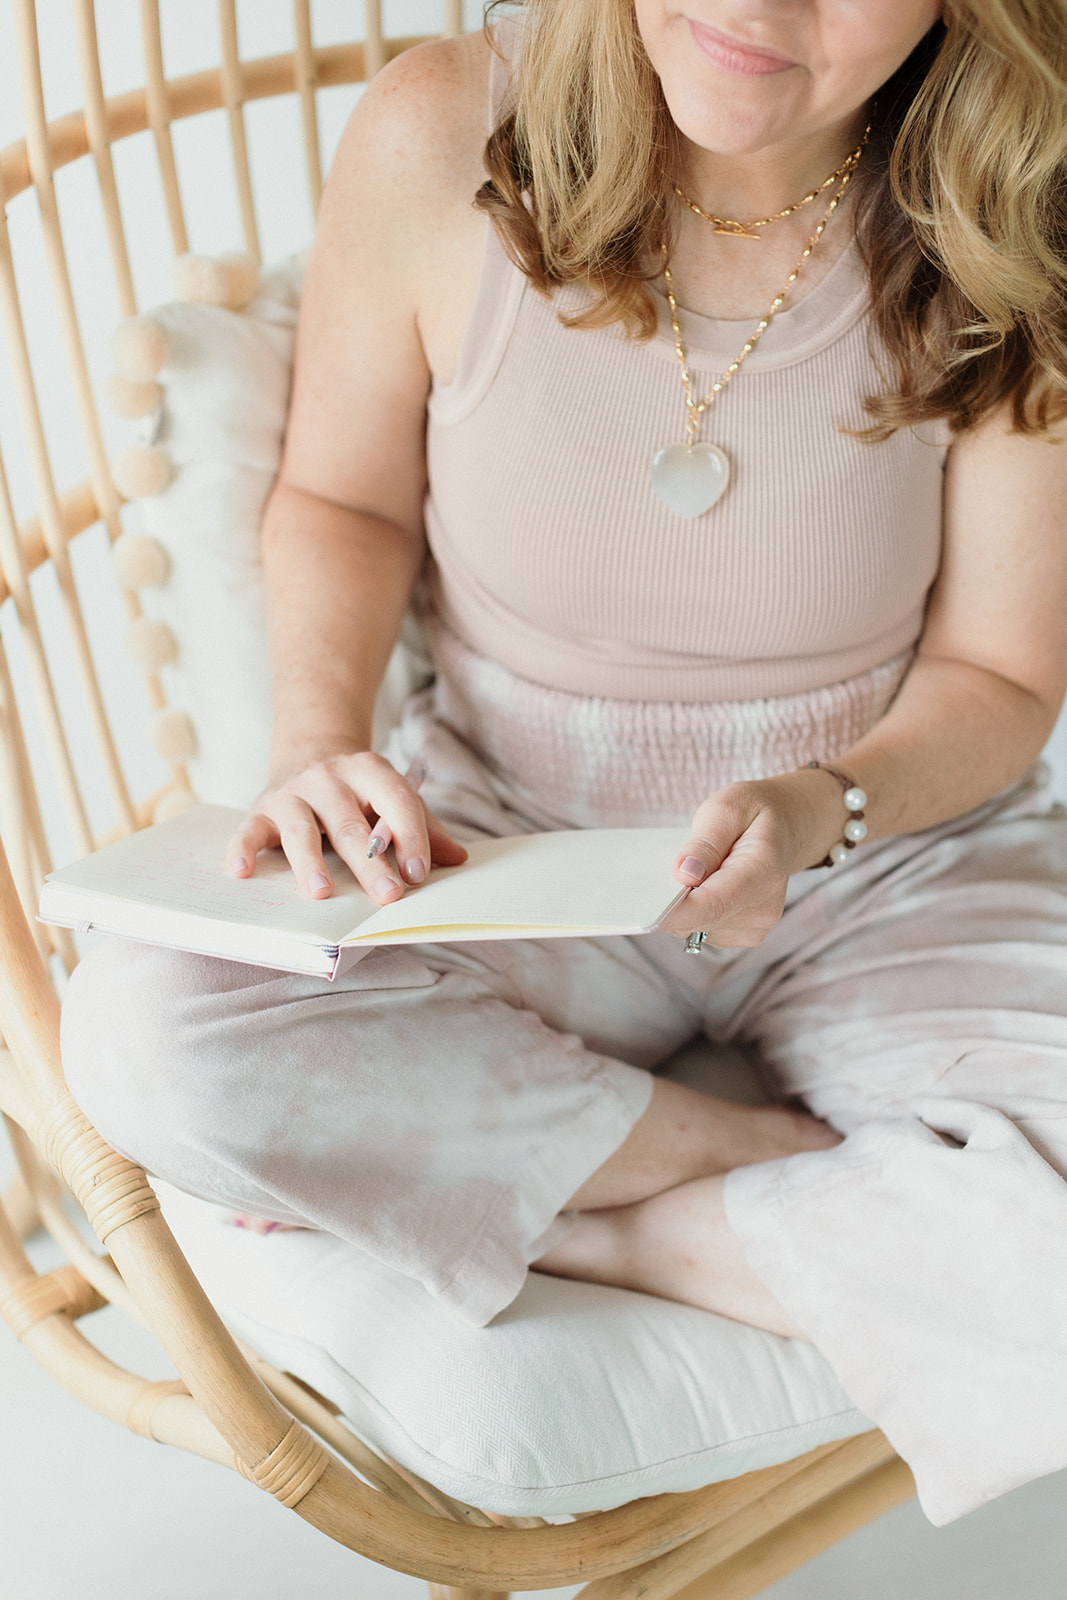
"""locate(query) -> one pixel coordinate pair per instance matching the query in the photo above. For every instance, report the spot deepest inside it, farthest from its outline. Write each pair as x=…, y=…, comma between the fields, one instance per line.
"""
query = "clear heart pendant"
x=690, y=478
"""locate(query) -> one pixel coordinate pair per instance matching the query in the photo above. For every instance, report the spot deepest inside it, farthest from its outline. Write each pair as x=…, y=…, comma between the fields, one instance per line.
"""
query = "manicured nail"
x=241, y=864
x=693, y=867
x=415, y=869
x=384, y=886
x=318, y=880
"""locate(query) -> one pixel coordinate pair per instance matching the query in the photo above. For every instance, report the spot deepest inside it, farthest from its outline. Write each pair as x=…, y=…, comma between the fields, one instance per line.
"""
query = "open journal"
x=167, y=885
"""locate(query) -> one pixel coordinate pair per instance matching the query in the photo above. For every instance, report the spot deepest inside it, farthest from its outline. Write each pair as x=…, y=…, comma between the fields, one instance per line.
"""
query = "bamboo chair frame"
x=725, y=1542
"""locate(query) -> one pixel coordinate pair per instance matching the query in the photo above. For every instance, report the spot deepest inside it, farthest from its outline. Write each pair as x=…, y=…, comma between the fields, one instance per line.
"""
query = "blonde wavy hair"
x=961, y=210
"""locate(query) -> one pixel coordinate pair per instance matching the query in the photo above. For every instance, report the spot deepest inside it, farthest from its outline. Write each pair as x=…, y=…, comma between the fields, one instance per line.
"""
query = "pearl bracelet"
x=855, y=828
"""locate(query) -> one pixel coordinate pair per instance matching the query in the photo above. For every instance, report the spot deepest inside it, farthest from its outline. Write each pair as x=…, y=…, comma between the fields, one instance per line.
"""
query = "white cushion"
x=576, y=1398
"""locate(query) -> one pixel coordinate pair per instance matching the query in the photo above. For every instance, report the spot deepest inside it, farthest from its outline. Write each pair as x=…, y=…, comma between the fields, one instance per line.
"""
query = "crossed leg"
x=944, y=981
x=920, y=1008
x=652, y=1217
x=644, y=1216
x=677, y=1244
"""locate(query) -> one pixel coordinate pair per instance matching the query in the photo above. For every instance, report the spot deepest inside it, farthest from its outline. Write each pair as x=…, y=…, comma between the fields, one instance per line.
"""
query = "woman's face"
x=740, y=76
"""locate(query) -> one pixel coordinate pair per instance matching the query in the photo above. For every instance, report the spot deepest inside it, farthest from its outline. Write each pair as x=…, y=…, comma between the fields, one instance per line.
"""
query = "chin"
x=726, y=113
x=728, y=124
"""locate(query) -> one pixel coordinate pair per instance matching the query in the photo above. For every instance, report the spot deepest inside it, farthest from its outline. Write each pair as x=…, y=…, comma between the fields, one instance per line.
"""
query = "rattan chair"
x=727, y=1540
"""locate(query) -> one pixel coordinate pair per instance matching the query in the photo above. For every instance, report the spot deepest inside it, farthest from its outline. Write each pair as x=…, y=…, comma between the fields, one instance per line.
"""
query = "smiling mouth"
x=734, y=55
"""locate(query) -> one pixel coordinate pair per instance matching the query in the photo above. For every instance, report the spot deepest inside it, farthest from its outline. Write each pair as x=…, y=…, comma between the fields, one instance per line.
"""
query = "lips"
x=736, y=55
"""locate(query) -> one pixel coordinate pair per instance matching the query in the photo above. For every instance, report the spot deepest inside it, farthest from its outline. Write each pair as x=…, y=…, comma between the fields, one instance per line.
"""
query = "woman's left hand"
x=747, y=841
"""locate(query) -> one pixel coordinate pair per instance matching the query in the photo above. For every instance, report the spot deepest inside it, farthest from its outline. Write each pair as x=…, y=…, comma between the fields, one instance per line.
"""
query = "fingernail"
x=384, y=886
x=415, y=869
x=318, y=880
x=241, y=864
x=693, y=867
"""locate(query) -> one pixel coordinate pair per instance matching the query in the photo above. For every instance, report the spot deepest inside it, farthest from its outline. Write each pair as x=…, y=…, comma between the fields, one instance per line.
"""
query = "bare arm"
x=973, y=713
x=342, y=538
x=338, y=583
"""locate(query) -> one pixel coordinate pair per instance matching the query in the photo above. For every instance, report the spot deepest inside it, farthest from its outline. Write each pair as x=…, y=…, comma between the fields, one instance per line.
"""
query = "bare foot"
x=685, y=1134
x=677, y=1244
x=241, y=1219
x=781, y=1130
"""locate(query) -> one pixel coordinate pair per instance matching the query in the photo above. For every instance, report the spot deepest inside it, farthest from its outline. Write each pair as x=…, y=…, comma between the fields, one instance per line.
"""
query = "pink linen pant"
x=439, y=1104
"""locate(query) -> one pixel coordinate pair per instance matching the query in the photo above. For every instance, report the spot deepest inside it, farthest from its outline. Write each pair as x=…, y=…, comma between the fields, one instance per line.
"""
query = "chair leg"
x=441, y=1591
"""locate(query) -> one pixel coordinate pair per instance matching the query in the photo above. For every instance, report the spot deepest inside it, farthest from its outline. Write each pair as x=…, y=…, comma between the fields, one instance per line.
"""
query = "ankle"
x=791, y=1130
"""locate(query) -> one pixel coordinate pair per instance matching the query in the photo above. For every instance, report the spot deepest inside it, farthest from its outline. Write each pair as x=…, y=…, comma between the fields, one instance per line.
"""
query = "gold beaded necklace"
x=732, y=229
x=689, y=477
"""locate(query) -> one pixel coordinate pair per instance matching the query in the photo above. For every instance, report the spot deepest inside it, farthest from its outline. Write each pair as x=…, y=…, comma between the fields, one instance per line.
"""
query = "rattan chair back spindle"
x=727, y=1541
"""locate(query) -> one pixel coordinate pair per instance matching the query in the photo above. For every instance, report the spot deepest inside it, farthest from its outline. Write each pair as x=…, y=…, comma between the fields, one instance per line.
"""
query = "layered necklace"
x=692, y=477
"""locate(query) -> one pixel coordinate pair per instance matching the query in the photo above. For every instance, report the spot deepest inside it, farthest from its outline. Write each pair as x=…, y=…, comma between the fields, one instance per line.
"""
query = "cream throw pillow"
x=225, y=392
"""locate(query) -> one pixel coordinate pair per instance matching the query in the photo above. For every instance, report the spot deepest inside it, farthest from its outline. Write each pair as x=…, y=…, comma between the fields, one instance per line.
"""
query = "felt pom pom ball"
x=138, y=349
x=151, y=644
x=171, y=803
x=131, y=400
x=173, y=735
x=140, y=562
x=141, y=470
x=229, y=280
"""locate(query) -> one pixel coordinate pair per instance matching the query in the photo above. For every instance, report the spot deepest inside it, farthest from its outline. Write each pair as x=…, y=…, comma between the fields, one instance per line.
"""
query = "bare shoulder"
x=419, y=130
x=390, y=280
x=993, y=456
x=398, y=206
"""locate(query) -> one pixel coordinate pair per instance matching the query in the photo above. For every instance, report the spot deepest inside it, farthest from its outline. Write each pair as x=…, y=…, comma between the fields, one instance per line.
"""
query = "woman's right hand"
x=342, y=796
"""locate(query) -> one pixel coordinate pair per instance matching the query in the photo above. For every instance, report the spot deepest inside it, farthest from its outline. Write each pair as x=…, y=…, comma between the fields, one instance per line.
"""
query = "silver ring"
x=695, y=942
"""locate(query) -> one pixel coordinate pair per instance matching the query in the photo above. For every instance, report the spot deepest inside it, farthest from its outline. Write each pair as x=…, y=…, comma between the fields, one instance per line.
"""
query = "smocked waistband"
x=598, y=762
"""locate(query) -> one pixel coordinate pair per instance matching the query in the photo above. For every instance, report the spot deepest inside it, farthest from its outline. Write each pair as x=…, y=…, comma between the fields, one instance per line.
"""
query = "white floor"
x=90, y=1512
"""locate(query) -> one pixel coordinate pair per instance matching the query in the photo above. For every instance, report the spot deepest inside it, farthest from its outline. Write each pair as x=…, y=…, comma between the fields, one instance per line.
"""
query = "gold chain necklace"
x=690, y=478
x=732, y=229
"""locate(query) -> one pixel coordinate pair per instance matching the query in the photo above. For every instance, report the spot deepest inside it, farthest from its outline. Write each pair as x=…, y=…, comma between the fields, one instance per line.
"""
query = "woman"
x=727, y=406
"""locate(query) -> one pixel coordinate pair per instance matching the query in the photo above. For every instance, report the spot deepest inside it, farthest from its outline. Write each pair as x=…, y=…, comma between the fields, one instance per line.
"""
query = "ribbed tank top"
x=551, y=554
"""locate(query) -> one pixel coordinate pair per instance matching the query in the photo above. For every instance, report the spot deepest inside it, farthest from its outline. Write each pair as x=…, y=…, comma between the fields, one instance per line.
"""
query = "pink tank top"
x=552, y=555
